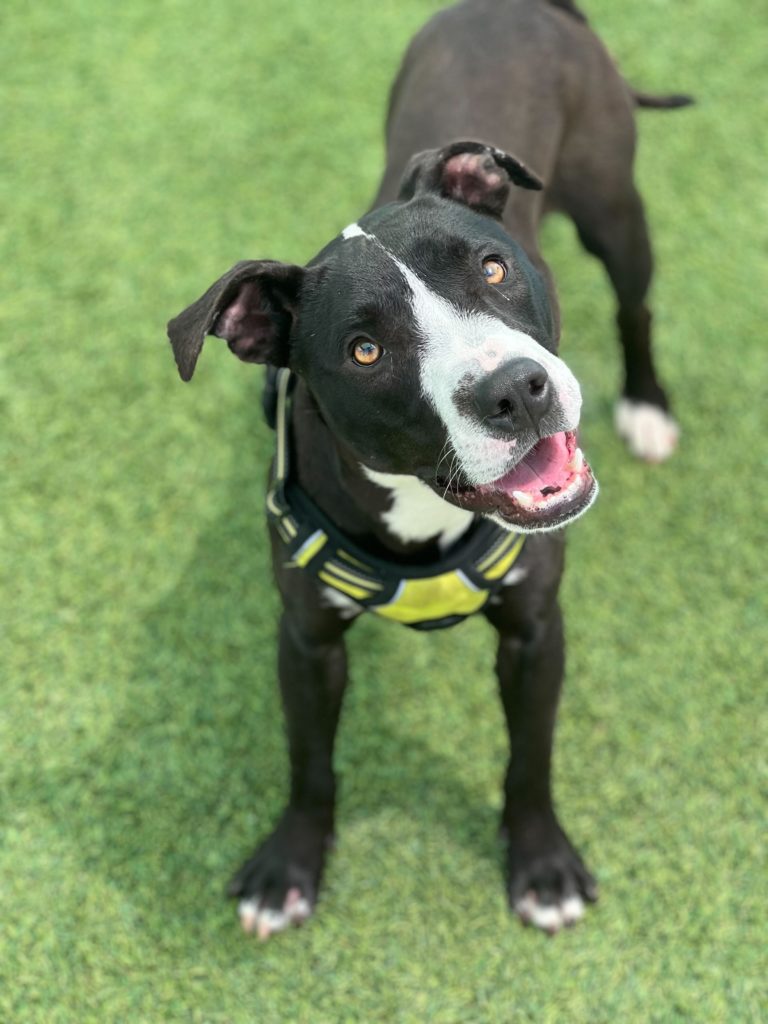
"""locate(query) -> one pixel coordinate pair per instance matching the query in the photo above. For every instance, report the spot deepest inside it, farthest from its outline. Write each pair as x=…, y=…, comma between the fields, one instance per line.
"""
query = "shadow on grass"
x=194, y=771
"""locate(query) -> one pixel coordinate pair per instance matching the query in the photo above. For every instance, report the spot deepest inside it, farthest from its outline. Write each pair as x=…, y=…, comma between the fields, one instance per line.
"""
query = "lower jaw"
x=532, y=511
x=554, y=517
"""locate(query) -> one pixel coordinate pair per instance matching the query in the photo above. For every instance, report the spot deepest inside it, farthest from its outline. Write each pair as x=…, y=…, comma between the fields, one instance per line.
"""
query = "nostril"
x=537, y=385
x=505, y=408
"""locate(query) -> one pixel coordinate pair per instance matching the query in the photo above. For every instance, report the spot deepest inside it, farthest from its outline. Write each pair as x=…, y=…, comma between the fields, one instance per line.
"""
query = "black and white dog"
x=426, y=453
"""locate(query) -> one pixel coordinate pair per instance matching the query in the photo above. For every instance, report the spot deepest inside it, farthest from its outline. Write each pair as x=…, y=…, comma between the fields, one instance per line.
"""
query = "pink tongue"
x=543, y=466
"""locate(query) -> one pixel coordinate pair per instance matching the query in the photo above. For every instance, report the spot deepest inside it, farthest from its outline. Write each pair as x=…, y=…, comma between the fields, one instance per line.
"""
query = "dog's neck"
x=388, y=514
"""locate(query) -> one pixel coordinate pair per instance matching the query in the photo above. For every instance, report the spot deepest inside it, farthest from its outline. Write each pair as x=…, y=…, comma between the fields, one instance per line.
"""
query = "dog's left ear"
x=253, y=307
x=472, y=173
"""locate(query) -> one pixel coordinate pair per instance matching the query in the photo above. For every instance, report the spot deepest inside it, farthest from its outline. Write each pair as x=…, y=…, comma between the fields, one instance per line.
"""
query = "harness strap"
x=277, y=505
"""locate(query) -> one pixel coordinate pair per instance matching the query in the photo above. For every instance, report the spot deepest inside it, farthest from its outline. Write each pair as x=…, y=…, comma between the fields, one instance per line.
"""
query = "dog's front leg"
x=278, y=886
x=547, y=880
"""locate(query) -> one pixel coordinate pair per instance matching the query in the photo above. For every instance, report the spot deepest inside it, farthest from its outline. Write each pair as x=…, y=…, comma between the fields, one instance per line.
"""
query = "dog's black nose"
x=514, y=395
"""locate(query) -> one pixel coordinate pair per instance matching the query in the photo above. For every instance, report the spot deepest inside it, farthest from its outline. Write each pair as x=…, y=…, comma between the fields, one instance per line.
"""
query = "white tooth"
x=522, y=498
x=577, y=462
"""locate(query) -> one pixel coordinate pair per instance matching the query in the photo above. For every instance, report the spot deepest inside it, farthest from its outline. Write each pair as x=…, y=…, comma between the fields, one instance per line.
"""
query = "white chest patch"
x=417, y=513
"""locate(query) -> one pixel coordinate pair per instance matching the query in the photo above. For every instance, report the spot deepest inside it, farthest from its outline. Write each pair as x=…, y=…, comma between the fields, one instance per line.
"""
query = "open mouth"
x=549, y=487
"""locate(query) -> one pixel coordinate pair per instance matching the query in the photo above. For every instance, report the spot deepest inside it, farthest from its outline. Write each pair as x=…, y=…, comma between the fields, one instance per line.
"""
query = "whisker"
x=454, y=463
x=443, y=451
x=454, y=458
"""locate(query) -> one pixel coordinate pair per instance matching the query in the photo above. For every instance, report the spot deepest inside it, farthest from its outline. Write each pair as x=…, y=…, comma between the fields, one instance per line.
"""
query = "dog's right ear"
x=252, y=307
x=472, y=173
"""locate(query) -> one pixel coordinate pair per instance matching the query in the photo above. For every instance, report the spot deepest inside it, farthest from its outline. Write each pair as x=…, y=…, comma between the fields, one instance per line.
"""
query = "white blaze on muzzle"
x=460, y=348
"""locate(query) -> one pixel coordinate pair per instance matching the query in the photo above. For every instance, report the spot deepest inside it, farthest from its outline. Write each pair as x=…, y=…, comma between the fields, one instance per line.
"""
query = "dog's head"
x=426, y=337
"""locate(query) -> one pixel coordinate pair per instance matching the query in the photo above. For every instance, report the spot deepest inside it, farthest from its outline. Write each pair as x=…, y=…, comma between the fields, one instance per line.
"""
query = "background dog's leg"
x=278, y=886
x=547, y=880
x=619, y=237
x=595, y=187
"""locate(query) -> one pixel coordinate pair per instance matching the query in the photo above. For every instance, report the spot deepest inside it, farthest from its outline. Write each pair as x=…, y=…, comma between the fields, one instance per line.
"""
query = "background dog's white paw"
x=650, y=433
x=265, y=921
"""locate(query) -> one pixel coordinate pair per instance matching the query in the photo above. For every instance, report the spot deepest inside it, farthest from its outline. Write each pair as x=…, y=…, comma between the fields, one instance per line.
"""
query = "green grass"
x=147, y=146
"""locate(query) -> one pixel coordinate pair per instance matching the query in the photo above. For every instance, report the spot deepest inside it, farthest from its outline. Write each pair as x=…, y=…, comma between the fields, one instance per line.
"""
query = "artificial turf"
x=146, y=148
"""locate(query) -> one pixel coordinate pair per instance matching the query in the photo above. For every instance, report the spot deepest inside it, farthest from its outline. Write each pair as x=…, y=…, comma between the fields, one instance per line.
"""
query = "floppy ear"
x=252, y=307
x=472, y=173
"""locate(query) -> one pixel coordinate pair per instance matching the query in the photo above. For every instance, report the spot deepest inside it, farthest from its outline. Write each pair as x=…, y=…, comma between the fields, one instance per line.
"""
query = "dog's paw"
x=256, y=917
x=649, y=431
x=277, y=887
x=549, y=886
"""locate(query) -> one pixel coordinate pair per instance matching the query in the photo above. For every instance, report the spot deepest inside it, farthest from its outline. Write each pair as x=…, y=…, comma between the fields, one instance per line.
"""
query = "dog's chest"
x=479, y=560
x=417, y=514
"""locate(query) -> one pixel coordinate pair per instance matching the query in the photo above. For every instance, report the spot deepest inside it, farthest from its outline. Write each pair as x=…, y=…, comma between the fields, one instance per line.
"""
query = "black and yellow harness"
x=422, y=596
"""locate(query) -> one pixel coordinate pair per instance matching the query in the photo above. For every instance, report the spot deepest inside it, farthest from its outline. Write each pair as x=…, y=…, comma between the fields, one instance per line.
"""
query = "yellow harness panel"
x=438, y=597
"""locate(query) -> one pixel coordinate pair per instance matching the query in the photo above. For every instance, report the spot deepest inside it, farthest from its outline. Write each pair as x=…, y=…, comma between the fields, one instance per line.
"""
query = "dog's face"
x=426, y=337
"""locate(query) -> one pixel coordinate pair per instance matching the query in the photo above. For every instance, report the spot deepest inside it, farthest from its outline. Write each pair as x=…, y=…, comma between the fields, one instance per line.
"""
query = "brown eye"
x=366, y=352
x=494, y=271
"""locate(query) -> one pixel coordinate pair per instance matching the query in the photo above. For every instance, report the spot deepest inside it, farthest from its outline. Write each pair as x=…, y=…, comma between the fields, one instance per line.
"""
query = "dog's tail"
x=649, y=102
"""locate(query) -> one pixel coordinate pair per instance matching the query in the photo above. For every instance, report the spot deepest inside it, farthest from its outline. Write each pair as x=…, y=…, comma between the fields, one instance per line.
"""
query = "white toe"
x=296, y=906
x=270, y=921
x=548, y=917
x=650, y=433
x=265, y=921
x=572, y=909
x=248, y=910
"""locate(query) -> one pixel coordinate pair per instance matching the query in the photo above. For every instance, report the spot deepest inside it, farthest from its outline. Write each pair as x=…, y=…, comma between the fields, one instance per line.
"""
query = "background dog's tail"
x=644, y=100
x=671, y=102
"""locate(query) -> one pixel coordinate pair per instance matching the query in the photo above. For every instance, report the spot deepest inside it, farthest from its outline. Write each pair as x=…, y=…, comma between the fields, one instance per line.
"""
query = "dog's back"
x=515, y=73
